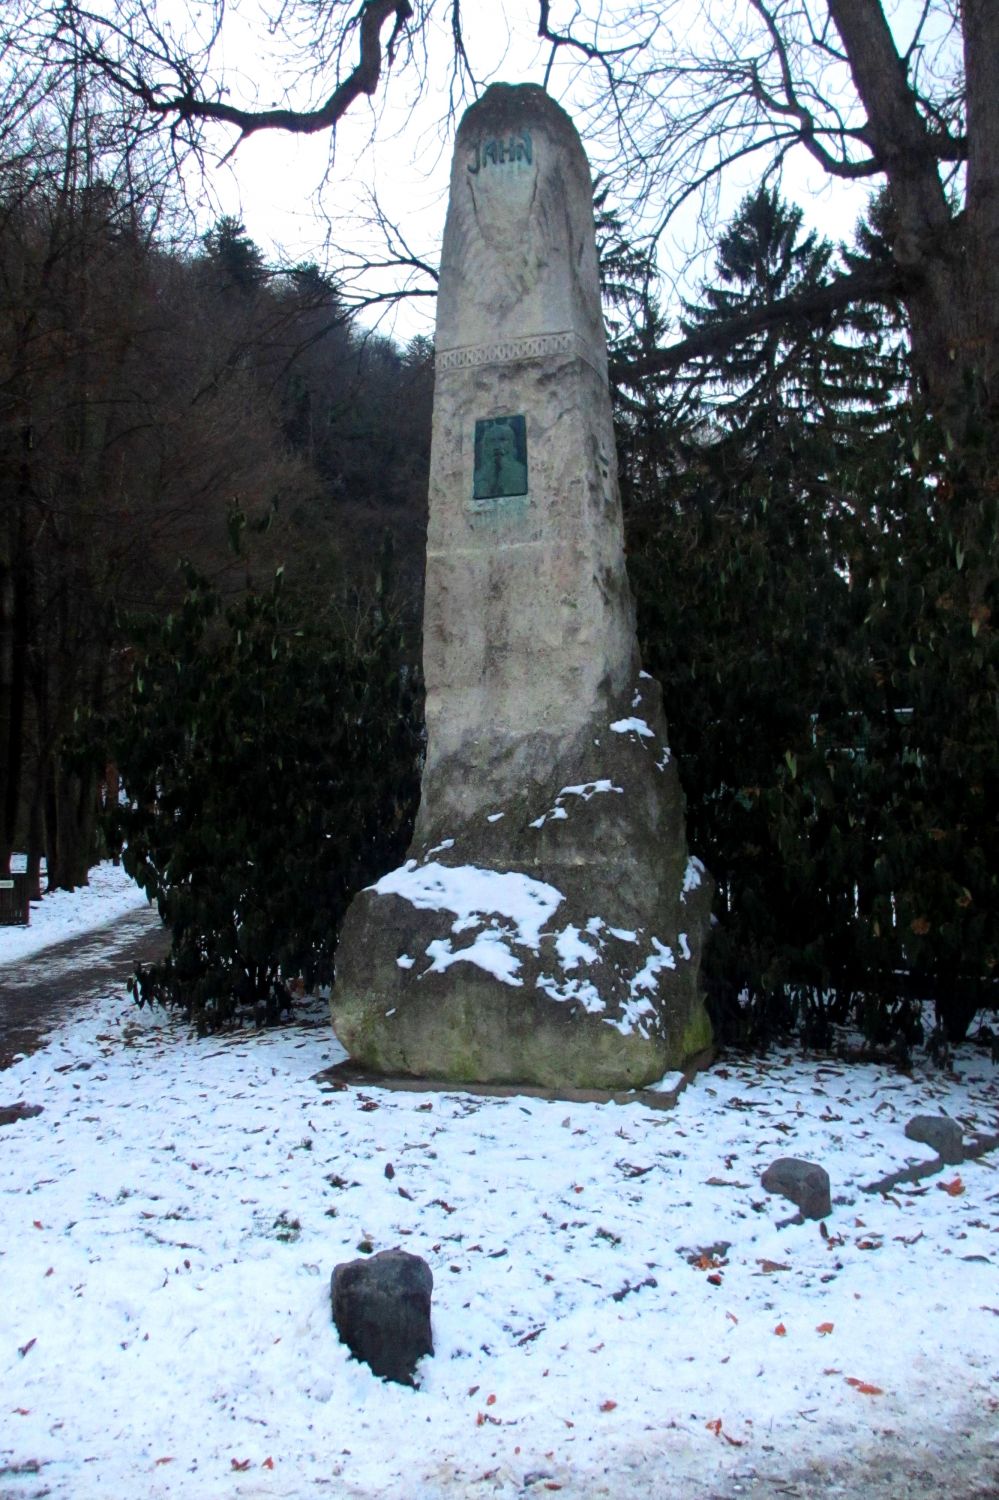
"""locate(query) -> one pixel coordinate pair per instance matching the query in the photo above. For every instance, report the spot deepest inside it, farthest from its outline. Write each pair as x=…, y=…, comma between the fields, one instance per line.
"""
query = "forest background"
x=214, y=486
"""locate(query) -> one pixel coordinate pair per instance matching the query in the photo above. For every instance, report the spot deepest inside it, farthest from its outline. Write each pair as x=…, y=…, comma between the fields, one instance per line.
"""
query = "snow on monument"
x=547, y=926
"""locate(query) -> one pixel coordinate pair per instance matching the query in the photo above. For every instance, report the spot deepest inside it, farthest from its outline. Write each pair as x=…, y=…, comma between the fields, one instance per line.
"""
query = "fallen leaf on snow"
x=770, y=1267
x=863, y=1387
x=824, y=1328
x=240, y=1465
x=608, y=1405
x=954, y=1188
x=780, y=1330
x=719, y=1431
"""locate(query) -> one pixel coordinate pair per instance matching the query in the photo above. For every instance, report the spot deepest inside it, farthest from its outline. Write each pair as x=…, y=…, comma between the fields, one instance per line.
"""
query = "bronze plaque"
x=500, y=458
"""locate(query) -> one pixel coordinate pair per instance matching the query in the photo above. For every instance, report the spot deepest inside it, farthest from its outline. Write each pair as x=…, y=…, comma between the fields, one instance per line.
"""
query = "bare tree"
x=903, y=92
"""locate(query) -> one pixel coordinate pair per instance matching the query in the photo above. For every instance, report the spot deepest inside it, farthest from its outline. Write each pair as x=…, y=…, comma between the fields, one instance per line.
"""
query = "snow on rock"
x=488, y=951
x=660, y=958
x=472, y=894
x=573, y=950
x=584, y=791
x=633, y=726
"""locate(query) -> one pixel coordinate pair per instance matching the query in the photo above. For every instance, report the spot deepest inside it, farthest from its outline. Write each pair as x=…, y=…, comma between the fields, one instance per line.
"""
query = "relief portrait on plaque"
x=500, y=458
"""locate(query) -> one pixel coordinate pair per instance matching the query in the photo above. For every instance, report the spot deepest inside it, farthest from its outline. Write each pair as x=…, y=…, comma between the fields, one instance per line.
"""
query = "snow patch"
x=581, y=991
x=632, y=726
x=473, y=894
x=572, y=950
x=647, y=977
x=488, y=951
x=585, y=790
x=444, y=844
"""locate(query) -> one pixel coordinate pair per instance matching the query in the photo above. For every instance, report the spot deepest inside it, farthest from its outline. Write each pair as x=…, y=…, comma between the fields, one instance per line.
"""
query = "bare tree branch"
x=371, y=20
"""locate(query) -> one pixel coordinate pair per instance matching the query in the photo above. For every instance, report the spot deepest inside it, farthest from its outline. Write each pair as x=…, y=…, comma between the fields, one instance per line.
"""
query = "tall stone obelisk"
x=548, y=925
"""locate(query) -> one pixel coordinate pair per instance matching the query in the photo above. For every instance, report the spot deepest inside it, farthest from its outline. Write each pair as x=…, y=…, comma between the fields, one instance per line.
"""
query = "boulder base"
x=553, y=939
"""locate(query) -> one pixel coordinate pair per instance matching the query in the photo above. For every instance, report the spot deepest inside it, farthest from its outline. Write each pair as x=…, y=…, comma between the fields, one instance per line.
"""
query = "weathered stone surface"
x=528, y=625
x=548, y=925
x=381, y=1308
x=803, y=1183
x=554, y=941
x=942, y=1134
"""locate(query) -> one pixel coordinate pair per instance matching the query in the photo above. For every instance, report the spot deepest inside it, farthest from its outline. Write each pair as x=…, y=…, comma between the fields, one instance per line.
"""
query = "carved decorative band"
x=535, y=346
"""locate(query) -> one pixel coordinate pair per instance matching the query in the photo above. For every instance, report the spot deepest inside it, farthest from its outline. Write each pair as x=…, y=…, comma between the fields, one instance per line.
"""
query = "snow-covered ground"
x=65, y=914
x=619, y=1308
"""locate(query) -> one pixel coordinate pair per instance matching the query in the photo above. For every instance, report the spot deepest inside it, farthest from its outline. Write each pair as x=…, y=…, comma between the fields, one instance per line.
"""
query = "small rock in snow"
x=939, y=1132
x=381, y=1308
x=803, y=1183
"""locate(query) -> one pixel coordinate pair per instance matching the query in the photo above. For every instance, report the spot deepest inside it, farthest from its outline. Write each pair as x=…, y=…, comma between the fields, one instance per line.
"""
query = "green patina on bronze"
x=500, y=458
x=497, y=152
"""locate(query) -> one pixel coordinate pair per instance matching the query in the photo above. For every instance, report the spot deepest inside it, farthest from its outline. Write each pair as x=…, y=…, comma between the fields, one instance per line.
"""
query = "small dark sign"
x=15, y=910
x=500, y=458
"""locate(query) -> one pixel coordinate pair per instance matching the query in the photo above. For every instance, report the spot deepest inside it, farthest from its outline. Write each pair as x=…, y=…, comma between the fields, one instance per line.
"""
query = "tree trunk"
x=948, y=259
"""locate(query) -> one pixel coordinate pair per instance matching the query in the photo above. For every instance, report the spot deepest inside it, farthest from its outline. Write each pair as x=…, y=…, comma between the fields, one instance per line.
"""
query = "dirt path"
x=38, y=992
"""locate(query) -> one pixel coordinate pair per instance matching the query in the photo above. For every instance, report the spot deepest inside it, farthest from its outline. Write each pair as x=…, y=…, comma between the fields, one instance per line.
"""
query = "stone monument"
x=547, y=926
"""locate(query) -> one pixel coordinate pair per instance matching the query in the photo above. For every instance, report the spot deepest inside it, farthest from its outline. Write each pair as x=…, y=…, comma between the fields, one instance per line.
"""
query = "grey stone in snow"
x=803, y=1183
x=942, y=1134
x=381, y=1308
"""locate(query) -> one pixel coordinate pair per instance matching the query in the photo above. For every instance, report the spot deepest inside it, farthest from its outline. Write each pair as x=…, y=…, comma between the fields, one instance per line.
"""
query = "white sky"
x=275, y=182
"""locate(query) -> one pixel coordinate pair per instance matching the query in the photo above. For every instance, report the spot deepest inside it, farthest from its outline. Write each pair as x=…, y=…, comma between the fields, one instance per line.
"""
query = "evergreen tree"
x=270, y=762
x=747, y=614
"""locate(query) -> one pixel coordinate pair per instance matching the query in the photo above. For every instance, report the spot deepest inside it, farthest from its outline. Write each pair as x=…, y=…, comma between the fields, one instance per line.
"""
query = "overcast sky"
x=294, y=203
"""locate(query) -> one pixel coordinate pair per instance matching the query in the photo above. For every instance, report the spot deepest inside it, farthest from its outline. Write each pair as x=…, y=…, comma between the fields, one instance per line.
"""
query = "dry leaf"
x=608, y=1405
x=824, y=1328
x=954, y=1188
x=863, y=1387
x=732, y=1316
x=769, y=1267
x=490, y=1400
x=780, y=1330
x=159, y=1461
x=240, y=1465
x=268, y=1463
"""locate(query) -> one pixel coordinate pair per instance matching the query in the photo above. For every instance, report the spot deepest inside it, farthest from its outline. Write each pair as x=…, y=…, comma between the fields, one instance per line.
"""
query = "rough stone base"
x=554, y=939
